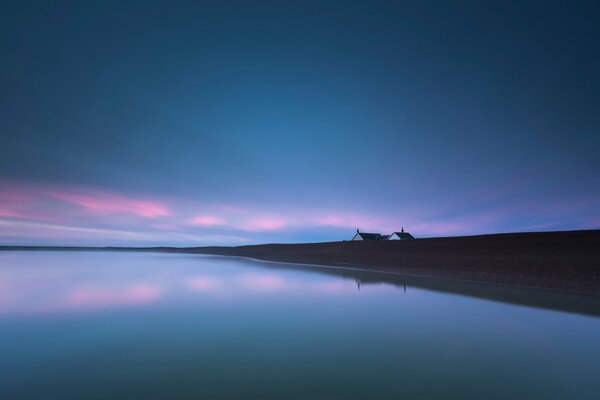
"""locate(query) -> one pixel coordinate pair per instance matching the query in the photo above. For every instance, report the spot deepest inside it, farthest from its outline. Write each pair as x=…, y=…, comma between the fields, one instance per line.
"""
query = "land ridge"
x=565, y=261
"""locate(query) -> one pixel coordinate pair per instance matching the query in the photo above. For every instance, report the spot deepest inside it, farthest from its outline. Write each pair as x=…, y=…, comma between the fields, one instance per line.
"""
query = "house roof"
x=403, y=235
x=369, y=236
x=384, y=237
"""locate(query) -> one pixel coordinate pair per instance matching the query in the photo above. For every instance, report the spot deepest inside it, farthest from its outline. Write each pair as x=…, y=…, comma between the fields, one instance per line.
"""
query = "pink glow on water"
x=36, y=298
x=41, y=283
x=335, y=287
x=262, y=282
x=103, y=297
x=203, y=283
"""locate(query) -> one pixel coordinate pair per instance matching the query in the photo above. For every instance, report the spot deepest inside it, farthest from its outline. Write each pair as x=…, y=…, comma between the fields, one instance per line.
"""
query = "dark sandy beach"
x=565, y=261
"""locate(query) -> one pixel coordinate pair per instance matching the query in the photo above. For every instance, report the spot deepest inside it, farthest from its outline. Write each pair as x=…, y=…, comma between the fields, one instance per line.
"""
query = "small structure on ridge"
x=400, y=235
x=366, y=236
x=377, y=236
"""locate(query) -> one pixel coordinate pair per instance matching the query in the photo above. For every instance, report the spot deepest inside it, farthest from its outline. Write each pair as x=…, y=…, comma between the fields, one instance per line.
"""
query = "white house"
x=366, y=236
x=377, y=236
x=400, y=235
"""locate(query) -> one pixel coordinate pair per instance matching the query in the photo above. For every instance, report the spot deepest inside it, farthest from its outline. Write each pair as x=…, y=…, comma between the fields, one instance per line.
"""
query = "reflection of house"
x=377, y=236
x=400, y=235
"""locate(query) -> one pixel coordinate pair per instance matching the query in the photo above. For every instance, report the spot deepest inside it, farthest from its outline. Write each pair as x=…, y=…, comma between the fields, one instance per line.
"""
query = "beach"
x=565, y=261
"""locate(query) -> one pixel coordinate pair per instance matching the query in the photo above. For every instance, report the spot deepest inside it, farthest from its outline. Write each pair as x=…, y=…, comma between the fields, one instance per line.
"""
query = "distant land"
x=566, y=261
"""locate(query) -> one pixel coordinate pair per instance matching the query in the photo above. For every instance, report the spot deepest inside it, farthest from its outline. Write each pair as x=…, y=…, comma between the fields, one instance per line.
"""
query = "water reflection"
x=101, y=297
x=107, y=281
x=203, y=283
x=538, y=298
x=45, y=282
x=86, y=325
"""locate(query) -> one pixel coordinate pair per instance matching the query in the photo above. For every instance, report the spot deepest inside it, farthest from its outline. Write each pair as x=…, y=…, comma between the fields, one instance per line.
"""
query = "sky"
x=142, y=123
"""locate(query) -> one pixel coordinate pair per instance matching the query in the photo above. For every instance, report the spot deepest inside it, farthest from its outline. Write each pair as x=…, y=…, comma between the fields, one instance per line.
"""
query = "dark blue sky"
x=239, y=122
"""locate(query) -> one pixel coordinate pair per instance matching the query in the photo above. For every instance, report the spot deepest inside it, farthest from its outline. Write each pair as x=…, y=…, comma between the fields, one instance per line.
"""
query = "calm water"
x=87, y=325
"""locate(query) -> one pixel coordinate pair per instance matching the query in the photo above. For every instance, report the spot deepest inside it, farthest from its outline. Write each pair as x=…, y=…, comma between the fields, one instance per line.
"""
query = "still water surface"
x=108, y=325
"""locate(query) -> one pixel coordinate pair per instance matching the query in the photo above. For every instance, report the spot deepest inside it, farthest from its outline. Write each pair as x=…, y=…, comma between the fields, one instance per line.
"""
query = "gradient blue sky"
x=191, y=123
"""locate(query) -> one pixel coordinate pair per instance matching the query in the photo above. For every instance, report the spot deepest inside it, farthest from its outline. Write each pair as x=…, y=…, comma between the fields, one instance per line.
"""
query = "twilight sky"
x=192, y=123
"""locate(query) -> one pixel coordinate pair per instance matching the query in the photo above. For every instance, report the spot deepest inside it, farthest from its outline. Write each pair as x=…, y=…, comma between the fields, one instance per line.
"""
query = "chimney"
x=356, y=230
x=402, y=230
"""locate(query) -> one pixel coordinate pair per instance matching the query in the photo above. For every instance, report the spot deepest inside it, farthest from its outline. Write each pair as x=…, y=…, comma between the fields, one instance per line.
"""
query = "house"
x=377, y=236
x=366, y=236
x=400, y=235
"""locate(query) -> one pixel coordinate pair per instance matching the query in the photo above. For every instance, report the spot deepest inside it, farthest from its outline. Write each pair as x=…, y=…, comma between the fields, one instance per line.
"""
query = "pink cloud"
x=7, y=212
x=30, y=201
x=333, y=220
x=256, y=221
x=207, y=220
x=106, y=202
x=349, y=220
x=440, y=228
x=46, y=202
x=69, y=213
x=15, y=202
x=271, y=223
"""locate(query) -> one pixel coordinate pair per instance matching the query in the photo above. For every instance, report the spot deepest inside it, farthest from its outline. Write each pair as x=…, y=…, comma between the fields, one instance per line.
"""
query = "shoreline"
x=560, y=261
x=566, y=261
x=536, y=297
